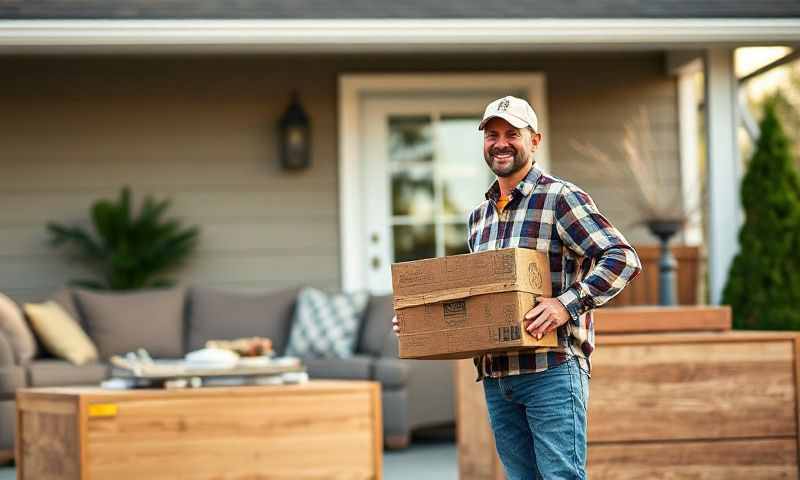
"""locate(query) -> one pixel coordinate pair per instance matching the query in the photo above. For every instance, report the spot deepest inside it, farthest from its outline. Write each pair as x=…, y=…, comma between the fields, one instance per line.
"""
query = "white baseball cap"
x=515, y=111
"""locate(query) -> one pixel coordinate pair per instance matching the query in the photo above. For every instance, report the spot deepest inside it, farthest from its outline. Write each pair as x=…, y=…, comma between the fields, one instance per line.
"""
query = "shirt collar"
x=524, y=187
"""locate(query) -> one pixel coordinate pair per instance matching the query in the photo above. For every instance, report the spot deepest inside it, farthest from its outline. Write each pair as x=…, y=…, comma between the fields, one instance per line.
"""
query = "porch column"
x=685, y=66
x=723, y=166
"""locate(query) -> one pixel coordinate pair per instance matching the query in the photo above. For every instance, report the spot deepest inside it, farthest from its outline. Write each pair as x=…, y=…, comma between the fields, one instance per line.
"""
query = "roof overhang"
x=440, y=35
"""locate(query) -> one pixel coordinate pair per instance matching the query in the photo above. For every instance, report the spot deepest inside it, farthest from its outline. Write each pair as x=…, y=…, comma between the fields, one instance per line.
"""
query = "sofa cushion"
x=11, y=378
x=221, y=315
x=7, y=357
x=377, y=325
x=325, y=324
x=358, y=367
x=391, y=372
x=56, y=373
x=124, y=322
x=60, y=333
x=16, y=331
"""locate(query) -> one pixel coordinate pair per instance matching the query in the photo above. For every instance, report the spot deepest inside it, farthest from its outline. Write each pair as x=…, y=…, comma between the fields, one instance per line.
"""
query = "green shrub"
x=763, y=286
x=128, y=252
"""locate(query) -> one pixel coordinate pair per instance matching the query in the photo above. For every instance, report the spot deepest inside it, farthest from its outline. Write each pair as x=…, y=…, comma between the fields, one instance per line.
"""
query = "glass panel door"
x=425, y=173
x=436, y=179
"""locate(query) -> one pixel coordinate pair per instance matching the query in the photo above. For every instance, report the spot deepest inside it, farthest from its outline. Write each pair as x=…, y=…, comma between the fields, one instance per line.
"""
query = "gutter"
x=450, y=35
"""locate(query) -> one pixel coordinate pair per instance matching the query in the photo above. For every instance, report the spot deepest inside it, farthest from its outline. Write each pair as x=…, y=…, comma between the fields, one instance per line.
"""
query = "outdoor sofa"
x=170, y=323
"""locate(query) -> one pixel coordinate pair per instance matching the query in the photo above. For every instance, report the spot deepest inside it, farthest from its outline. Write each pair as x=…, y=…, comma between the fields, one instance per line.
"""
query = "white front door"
x=424, y=173
x=420, y=171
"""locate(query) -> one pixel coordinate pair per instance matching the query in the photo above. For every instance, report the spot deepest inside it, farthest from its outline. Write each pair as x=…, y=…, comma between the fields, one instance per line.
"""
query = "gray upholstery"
x=56, y=373
x=124, y=322
x=358, y=367
x=394, y=404
x=391, y=347
x=11, y=378
x=391, y=372
x=430, y=392
x=377, y=325
x=6, y=352
x=220, y=315
x=8, y=424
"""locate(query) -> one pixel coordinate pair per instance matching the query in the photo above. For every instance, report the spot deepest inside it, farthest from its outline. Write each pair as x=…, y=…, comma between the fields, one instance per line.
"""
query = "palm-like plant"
x=128, y=252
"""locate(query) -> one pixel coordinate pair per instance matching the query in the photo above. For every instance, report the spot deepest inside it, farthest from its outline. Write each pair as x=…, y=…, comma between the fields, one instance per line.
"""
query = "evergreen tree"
x=763, y=286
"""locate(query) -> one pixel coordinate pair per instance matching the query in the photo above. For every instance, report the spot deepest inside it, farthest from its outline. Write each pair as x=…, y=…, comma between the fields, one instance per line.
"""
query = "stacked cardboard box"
x=462, y=305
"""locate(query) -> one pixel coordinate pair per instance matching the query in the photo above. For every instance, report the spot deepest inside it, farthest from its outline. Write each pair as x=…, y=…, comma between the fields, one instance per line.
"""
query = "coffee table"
x=320, y=429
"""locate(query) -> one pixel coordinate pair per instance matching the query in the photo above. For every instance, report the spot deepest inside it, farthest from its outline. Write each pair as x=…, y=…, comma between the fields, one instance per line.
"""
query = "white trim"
x=351, y=88
x=403, y=34
x=352, y=244
x=723, y=167
x=690, y=157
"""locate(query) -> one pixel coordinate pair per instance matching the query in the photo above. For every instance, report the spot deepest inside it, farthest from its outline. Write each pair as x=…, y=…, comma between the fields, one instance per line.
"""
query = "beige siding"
x=200, y=130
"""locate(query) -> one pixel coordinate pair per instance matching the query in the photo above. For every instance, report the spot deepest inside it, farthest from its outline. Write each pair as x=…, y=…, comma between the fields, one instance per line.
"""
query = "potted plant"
x=127, y=251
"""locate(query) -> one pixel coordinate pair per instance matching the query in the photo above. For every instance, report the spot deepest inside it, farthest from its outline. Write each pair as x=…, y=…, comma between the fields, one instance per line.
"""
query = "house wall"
x=200, y=130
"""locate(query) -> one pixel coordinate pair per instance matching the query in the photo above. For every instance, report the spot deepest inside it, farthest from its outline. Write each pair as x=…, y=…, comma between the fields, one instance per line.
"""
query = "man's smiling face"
x=507, y=149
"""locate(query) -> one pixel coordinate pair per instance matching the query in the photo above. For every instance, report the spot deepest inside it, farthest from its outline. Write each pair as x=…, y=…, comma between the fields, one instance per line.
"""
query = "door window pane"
x=455, y=237
x=459, y=157
x=410, y=139
x=412, y=242
x=437, y=175
x=412, y=192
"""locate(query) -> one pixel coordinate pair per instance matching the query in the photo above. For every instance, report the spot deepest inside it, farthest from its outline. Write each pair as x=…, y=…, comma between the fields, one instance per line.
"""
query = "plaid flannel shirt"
x=590, y=262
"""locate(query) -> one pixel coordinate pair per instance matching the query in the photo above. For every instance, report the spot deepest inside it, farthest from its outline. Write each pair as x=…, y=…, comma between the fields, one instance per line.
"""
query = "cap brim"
x=516, y=122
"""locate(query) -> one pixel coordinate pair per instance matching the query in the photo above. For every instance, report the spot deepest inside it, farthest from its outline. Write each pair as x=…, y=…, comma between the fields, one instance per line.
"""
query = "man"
x=537, y=398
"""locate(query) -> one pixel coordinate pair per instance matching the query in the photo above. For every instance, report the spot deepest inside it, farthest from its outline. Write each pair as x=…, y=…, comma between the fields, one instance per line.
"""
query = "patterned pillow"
x=326, y=325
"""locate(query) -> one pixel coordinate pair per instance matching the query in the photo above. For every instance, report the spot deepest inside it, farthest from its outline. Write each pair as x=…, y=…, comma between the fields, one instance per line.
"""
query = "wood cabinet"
x=689, y=404
x=319, y=430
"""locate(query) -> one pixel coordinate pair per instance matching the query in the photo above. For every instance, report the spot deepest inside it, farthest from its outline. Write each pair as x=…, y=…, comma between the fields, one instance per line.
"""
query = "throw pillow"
x=60, y=333
x=326, y=325
x=124, y=322
x=63, y=297
x=13, y=327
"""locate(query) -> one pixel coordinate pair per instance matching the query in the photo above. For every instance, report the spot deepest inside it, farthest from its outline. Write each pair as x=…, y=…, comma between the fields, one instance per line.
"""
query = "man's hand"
x=548, y=315
x=395, y=325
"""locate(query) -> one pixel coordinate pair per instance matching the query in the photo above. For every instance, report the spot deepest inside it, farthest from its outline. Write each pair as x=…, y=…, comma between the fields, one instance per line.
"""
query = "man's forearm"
x=615, y=268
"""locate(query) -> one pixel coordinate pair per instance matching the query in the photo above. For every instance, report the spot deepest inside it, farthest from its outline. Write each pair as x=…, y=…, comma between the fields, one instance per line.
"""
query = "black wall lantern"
x=295, y=137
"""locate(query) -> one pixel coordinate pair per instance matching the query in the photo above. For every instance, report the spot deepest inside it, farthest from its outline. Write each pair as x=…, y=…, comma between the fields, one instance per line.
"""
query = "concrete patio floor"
x=421, y=461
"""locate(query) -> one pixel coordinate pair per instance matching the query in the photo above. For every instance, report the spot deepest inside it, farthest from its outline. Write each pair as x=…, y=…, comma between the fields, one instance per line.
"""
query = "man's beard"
x=509, y=169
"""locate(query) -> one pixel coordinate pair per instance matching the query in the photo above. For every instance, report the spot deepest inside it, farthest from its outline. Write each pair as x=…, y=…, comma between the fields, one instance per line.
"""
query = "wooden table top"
x=93, y=393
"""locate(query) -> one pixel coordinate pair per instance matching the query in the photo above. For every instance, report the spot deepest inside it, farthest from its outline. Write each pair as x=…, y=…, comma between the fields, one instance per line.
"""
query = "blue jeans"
x=539, y=422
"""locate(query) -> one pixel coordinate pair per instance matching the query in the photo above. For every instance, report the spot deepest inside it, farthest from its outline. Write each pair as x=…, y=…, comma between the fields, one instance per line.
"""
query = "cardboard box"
x=463, y=305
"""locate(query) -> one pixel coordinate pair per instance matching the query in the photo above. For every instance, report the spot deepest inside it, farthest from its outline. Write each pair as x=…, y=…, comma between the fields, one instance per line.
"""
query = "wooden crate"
x=323, y=429
x=694, y=404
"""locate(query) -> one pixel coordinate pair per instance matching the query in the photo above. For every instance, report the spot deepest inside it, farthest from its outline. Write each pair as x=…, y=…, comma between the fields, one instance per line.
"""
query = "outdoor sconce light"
x=295, y=137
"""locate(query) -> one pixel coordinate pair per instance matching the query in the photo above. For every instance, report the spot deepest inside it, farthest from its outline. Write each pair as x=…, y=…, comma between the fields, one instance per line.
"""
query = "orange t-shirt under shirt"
x=502, y=202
